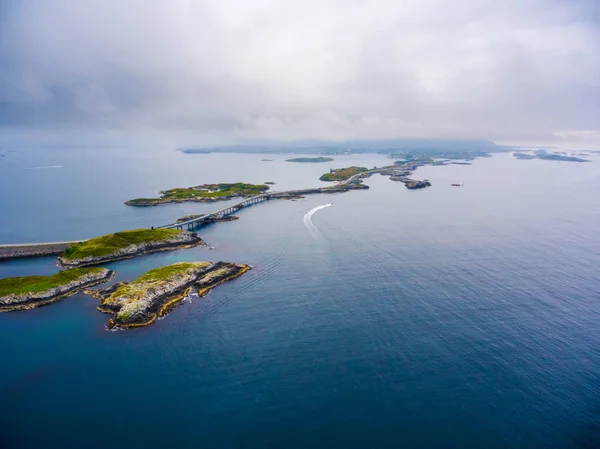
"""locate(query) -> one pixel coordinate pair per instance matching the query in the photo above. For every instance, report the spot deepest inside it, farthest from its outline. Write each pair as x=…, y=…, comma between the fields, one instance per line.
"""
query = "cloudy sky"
x=514, y=71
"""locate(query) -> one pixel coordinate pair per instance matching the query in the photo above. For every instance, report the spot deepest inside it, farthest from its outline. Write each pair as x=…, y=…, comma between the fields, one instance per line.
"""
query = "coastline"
x=33, y=300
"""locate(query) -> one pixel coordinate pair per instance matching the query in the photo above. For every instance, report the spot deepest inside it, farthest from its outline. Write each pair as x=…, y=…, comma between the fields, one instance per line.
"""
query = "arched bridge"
x=218, y=214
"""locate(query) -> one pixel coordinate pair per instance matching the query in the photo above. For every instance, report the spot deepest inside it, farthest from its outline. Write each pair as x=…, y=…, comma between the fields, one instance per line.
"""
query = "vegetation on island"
x=270, y=183
x=107, y=245
x=37, y=284
x=342, y=174
x=545, y=156
x=205, y=192
x=310, y=159
x=155, y=293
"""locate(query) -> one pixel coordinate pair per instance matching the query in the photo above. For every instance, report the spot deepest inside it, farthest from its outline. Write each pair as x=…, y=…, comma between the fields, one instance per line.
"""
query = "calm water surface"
x=443, y=318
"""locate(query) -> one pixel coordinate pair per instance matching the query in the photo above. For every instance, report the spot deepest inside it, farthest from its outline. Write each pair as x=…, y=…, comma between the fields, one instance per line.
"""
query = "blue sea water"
x=441, y=318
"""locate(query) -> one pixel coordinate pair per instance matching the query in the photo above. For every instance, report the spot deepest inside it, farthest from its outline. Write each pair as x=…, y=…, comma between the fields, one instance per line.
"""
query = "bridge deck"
x=220, y=213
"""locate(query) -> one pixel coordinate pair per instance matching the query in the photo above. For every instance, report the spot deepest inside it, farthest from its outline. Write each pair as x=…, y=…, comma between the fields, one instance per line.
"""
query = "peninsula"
x=310, y=159
x=20, y=293
x=126, y=244
x=203, y=193
x=154, y=294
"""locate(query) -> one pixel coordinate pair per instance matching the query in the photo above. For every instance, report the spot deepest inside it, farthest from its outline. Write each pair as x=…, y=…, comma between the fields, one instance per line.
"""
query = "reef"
x=27, y=292
x=156, y=293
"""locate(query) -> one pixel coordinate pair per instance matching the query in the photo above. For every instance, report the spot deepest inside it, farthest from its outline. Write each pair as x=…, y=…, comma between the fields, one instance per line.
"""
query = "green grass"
x=136, y=288
x=109, y=244
x=36, y=284
x=310, y=159
x=213, y=191
x=341, y=174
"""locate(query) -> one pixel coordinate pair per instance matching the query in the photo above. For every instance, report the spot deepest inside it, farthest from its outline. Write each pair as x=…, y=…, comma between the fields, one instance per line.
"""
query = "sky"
x=220, y=71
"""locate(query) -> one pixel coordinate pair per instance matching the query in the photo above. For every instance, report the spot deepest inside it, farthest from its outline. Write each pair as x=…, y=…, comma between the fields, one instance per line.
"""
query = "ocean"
x=447, y=317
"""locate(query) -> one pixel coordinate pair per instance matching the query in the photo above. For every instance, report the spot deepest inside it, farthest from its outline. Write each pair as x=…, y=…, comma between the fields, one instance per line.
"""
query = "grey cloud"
x=515, y=70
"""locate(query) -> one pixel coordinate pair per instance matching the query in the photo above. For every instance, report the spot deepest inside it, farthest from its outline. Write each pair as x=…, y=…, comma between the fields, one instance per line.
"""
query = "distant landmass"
x=357, y=146
x=546, y=156
x=310, y=159
x=194, y=151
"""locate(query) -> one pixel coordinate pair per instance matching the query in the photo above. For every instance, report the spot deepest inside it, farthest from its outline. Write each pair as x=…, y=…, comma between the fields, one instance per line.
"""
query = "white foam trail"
x=308, y=220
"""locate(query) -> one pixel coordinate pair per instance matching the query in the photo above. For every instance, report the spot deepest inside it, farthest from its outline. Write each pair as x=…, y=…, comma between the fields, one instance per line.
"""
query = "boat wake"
x=308, y=220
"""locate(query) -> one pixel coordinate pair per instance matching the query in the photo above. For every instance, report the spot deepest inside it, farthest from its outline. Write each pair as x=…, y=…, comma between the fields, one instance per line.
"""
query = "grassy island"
x=125, y=244
x=154, y=294
x=341, y=174
x=32, y=291
x=202, y=193
x=310, y=159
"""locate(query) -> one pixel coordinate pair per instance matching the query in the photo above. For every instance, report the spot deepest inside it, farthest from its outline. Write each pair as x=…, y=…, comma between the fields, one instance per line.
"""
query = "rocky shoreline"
x=184, y=239
x=155, y=294
x=30, y=300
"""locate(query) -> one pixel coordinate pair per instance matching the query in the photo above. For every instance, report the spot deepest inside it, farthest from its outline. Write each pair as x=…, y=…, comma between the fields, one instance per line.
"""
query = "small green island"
x=20, y=293
x=310, y=159
x=202, y=193
x=153, y=295
x=126, y=244
x=342, y=174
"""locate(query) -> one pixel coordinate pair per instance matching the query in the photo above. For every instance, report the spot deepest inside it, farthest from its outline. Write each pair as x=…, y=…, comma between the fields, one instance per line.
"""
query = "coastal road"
x=17, y=250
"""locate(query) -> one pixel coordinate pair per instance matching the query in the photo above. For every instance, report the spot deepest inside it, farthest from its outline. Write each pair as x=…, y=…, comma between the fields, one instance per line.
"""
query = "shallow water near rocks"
x=445, y=317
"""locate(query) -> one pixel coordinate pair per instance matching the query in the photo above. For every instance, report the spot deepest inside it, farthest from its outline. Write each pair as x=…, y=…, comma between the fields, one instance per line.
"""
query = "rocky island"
x=310, y=159
x=27, y=292
x=342, y=174
x=411, y=184
x=154, y=294
x=203, y=193
x=126, y=244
